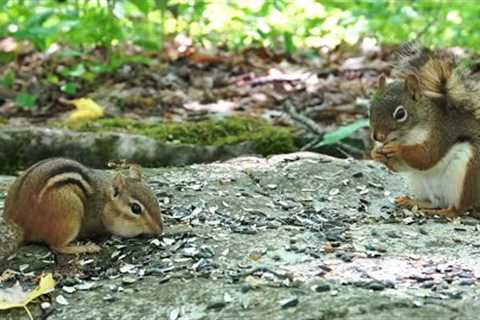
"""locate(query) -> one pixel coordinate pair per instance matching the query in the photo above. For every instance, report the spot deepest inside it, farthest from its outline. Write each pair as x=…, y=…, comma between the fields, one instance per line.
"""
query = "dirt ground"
x=298, y=236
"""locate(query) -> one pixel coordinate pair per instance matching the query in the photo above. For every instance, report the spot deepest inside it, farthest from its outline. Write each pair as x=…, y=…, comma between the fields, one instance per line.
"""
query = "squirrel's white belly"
x=442, y=185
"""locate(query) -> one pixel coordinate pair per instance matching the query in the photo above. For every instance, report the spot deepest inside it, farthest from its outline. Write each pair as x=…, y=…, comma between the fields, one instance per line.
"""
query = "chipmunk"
x=426, y=126
x=57, y=201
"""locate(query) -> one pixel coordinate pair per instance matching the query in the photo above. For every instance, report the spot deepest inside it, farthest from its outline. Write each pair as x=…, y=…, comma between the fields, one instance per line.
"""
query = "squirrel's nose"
x=379, y=136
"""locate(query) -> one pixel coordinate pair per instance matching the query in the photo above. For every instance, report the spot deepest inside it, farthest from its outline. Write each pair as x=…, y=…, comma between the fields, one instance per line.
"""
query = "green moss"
x=3, y=121
x=266, y=138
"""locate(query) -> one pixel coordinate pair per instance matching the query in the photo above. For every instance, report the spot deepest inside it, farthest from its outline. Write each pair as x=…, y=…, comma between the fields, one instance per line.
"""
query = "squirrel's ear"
x=381, y=81
x=135, y=172
x=413, y=86
x=118, y=182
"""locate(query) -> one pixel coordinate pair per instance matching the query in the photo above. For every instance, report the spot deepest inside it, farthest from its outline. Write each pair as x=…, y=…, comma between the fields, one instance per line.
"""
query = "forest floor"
x=298, y=236
x=188, y=85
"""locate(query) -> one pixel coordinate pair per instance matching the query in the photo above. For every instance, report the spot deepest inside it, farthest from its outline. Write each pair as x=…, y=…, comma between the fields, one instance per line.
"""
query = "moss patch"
x=266, y=138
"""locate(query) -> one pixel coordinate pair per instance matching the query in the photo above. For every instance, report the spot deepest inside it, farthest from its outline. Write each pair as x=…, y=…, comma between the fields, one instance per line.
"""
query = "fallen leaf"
x=16, y=297
x=87, y=109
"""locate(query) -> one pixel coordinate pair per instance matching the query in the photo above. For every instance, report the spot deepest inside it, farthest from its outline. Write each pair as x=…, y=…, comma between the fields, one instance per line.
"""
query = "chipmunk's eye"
x=115, y=191
x=400, y=114
x=136, y=208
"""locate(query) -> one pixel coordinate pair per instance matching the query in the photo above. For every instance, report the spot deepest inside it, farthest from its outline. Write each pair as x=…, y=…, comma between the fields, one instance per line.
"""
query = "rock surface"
x=299, y=236
x=27, y=145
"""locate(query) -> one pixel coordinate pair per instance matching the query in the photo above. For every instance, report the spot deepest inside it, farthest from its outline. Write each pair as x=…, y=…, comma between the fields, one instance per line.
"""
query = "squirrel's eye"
x=136, y=208
x=400, y=114
x=115, y=191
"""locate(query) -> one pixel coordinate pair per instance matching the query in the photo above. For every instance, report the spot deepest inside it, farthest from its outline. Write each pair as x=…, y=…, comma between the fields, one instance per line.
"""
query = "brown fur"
x=470, y=187
x=440, y=77
x=59, y=200
x=441, y=99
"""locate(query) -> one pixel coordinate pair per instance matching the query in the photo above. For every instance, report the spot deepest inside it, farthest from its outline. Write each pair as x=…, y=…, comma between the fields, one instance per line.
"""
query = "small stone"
x=321, y=287
x=334, y=192
x=190, y=252
x=392, y=234
x=408, y=220
x=156, y=242
x=68, y=290
x=455, y=295
x=345, y=256
x=375, y=185
x=358, y=174
x=70, y=282
x=23, y=267
x=428, y=284
x=466, y=282
x=45, y=305
x=376, y=286
x=86, y=286
x=61, y=300
x=174, y=314
x=227, y=297
x=129, y=280
x=109, y=298
x=245, y=287
x=289, y=302
x=219, y=304
x=381, y=249
x=423, y=231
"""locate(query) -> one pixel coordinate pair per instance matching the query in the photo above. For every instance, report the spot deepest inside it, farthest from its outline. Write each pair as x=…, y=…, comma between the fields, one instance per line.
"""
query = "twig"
x=304, y=121
x=272, y=78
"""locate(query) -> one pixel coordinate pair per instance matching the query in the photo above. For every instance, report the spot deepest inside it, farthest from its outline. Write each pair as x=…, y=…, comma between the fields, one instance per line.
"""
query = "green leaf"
x=77, y=71
x=343, y=132
x=25, y=100
x=141, y=5
x=7, y=80
x=52, y=79
x=69, y=88
x=288, y=40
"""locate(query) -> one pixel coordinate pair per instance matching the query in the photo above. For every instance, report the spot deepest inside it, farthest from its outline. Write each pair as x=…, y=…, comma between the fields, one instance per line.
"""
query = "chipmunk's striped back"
x=55, y=172
x=59, y=200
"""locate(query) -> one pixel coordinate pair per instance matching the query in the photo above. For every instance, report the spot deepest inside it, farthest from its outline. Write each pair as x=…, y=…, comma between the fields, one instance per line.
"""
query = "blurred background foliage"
x=281, y=24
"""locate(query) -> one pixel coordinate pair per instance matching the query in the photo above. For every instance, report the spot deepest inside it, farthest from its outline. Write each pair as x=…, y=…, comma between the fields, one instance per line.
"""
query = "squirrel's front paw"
x=377, y=155
x=391, y=150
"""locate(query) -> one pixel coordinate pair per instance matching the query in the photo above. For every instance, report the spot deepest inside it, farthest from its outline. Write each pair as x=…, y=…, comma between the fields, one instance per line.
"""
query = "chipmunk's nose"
x=379, y=136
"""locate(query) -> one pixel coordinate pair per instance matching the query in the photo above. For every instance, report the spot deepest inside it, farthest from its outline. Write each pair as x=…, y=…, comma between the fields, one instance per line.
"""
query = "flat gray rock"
x=298, y=236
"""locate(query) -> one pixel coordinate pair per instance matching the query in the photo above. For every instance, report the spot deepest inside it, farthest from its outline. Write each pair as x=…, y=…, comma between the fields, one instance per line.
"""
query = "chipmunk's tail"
x=440, y=77
x=11, y=237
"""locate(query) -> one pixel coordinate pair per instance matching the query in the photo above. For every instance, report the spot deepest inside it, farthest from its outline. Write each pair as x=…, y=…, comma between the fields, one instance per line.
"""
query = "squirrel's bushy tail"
x=440, y=77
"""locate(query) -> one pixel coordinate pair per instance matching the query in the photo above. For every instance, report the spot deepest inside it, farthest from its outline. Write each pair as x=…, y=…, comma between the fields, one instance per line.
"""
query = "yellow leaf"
x=87, y=109
x=16, y=297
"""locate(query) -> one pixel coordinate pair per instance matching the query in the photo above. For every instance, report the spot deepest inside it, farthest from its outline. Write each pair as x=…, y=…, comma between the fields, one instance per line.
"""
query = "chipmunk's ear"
x=413, y=86
x=135, y=172
x=381, y=81
x=118, y=183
